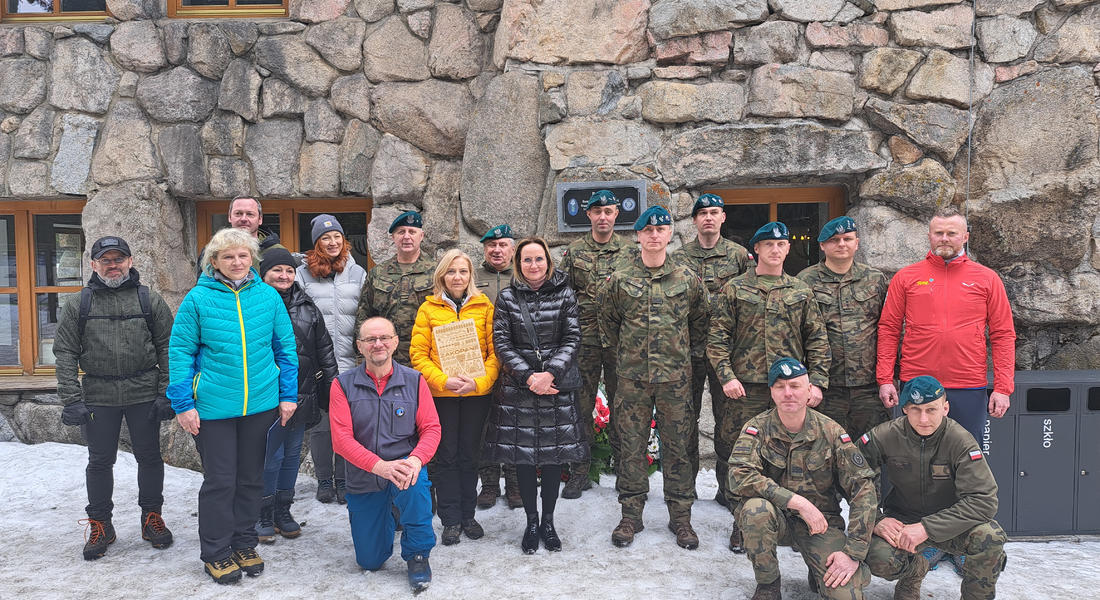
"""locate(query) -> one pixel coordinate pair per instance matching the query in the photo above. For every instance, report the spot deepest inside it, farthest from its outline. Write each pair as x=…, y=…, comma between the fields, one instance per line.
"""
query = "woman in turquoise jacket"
x=234, y=371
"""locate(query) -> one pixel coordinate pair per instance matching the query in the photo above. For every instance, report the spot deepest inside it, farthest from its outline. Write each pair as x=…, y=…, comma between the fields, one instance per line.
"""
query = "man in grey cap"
x=117, y=332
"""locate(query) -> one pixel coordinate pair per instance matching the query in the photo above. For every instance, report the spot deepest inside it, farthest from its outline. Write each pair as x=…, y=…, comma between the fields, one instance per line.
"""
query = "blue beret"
x=498, y=232
x=785, y=368
x=654, y=215
x=920, y=390
x=771, y=231
x=602, y=198
x=837, y=225
x=409, y=218
x=707, y=201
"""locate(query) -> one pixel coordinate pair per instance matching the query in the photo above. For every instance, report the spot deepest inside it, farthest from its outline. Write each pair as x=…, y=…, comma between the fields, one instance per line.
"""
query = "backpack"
x=86, y=308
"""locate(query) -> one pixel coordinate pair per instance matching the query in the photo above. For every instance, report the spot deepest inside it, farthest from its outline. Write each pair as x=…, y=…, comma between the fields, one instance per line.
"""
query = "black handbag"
x=568, y=382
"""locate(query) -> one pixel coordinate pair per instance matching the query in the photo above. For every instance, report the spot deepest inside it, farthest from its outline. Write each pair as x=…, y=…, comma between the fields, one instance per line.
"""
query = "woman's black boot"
x=530, y=541
x=550, y=539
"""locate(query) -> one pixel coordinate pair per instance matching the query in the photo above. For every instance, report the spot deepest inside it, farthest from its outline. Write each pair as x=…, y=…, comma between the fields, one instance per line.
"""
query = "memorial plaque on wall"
x=458, y=349
x=572, y=198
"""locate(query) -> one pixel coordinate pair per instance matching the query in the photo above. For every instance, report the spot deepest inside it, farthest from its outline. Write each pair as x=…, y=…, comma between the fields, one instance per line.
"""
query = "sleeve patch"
x=865, y=438
x=975, y=455
x=858, y=460
x=844, y=437
x=752, y=430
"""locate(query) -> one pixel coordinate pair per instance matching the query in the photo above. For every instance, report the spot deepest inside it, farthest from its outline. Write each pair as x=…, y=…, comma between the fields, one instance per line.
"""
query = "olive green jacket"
x=587, y=266
x=717, y=265
x=490, y=281
x=395, y=293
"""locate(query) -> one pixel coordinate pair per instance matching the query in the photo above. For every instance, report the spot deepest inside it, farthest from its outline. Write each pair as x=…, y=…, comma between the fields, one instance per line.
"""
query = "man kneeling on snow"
x=385, y=424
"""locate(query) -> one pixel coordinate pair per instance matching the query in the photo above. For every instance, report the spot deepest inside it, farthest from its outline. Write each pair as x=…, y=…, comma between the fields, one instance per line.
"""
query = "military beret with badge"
x=770, y=231
x=836, y=226
x=409, y=218
x=707, y=201
x=654, y=215
x=785, y=368
x=601, y=198
x=921, y=390
x=498, y=233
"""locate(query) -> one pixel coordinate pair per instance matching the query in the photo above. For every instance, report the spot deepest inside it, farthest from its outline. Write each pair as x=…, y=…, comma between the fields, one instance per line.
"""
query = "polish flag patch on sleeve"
x=866, y=439
x=752, y=430
x=975, y=455
x=845, y=438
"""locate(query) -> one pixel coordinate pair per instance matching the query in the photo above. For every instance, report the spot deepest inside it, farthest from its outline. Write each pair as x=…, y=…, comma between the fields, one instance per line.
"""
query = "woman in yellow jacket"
x=462, y=402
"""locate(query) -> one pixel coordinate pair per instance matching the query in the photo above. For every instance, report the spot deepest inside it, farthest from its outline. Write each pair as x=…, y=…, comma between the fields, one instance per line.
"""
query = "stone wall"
x=472, y=110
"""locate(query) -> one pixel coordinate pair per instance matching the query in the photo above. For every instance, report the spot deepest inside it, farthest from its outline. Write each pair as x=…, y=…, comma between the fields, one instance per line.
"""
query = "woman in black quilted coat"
x=534, y=422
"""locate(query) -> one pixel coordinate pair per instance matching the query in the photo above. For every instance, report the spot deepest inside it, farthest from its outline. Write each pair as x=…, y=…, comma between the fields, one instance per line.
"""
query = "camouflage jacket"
x=816, y=463
x=490, y=281
x=942, y=480
x=656, y=317
x=587, y=265
x=851, y=304
x=716, y=266
x=397, y=295
x=751, y=327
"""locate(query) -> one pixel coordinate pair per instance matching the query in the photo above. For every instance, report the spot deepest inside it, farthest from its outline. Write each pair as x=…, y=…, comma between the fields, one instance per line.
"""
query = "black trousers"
x=101, y=434
x=232, y=453
x=455, y=474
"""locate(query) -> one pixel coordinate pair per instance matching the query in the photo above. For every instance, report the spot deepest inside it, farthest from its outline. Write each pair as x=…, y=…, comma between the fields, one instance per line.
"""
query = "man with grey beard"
x=117, y=332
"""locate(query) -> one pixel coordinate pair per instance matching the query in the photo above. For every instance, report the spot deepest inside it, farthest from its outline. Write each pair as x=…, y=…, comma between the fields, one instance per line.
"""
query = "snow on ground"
x=40, y=557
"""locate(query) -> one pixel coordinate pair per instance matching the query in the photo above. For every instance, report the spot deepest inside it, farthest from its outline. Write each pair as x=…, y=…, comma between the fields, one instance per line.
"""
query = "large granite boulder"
x=392, y=53
x=584, y=142
x=223, y=135
x=125, y=150
x=181, y=151
x=34, y=137
x=936, y=127
x=884, y=70
x=915, y=189
x=572, y=31
x=228, y=176
x=351, y=96
x=136, y=46
x=80, y=78
x=889, y=239
x=177, y=96
x=947, y=28
x=675, y=18
x=1005, y=39
x=22, y=84
x=674, y=102
x=209, y=51
x=356, y=156
x=399, y=173
x=796, y=91
x=339, y=41
x=130, y=10
x=319, y=169
x=72, y=164
x=945, y=77
x=770, y=42
x=273, y=149
x=240, y=90
x=1077, y=40
x=456, y=46
x=432, y=114
x=295, y=62
x=316, y=11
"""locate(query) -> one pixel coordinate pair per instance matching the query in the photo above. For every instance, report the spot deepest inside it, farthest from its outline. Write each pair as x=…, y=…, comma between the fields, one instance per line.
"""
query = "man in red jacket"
x=946, y=302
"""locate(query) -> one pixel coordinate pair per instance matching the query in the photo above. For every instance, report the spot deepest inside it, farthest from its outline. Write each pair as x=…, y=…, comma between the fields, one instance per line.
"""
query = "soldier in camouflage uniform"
x=758, y=317
x=494, y=275
x=850, y=295
x=944, y=496
x=654, y=318
x=790, y=465
x=716, y=260
x=587, y=264
x=396, y=288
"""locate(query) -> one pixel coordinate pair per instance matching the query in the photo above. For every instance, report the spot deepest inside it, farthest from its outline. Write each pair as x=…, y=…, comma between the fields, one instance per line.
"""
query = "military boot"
x=102, y=534
x=341, y=490
x=737, y=544
x=490, y=486
x=265, y=527
x=325, y=492
x=908, y=585
x=685, y=535
x=511, y=487
x=768, y=591
x=623, y=535
x=578, y=482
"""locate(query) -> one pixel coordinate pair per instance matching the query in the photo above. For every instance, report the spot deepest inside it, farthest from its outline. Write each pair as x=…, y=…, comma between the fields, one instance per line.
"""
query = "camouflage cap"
x=498, y=232
x=409, y=218
x=654, y=215
x=707, y=201
x=770, y=231
x=602, y=198
x=837, y=225
x=785, y=368
x=921, y=390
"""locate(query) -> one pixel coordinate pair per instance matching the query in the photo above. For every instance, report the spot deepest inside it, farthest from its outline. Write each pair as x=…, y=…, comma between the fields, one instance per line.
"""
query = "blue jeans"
x=284, y=457
x=969, y=407
x=372, y=524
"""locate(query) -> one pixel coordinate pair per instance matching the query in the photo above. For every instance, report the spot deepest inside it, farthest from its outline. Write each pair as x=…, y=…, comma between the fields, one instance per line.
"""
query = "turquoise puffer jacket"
x=232, y=352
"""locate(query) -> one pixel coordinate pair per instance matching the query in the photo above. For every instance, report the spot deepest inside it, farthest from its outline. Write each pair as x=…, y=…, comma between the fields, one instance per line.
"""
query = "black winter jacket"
x=316, y=359
x=525, y=428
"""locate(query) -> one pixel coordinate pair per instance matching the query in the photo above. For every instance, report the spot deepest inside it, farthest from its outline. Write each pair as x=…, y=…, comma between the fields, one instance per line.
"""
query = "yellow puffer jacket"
x=435, y=312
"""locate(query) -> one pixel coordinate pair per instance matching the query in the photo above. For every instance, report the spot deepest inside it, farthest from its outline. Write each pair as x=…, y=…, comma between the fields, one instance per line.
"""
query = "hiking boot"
x=420, y=573
x=472, y=529
x=530, y=542
x=624, y=532
x=908, y=585
x=154, y=531
x=511, y=488
x=685, y=535
x=265, y=527
x=577, y=483
x=737, y=545
x=285, y=524
x=490, y=487
x=249, y=561
x=549, y=535
x=768, y=591
x=223, y=571
x=341, y=491
x=325, y=492
x=102, y=535
x=452, y=534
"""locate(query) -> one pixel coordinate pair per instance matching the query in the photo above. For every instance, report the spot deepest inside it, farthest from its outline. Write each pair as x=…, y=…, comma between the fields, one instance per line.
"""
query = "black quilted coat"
x=525, y=428
x=316, y=359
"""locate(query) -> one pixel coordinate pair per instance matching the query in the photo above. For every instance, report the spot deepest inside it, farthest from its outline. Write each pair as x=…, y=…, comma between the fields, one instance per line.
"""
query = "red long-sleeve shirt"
x=946, y=308
x=343, y=436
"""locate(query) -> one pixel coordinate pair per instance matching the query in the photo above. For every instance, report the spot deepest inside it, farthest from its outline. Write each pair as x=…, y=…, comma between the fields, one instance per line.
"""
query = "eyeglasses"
x=370, y=341
x=112, y=261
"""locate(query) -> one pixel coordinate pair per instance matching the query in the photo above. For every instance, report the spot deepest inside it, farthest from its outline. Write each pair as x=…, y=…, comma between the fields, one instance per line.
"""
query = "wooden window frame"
x=26, y=285
x=834, y=196
x=176, y=9
x=56, y=15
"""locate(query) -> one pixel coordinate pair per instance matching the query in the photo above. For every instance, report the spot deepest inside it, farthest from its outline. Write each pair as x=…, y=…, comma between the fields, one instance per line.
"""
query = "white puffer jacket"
x=338, y=298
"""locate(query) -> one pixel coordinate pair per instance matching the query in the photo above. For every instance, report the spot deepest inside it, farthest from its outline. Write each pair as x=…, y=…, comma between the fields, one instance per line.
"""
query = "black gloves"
x=162, y=409
x=76, y=413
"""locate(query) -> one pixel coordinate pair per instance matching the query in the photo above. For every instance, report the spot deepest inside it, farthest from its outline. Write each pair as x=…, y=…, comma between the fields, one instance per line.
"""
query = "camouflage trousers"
x=765, y=527
x=727, y=428
x=594, y=360
x=701, y=374
x=857, y=408
x=983, y=547
x=633, y=410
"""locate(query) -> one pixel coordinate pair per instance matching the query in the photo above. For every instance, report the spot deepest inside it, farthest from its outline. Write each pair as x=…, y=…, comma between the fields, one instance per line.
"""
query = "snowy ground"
x=40, y=557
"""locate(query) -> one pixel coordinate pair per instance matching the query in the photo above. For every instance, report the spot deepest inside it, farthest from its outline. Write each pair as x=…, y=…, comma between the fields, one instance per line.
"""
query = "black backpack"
x=86, y=308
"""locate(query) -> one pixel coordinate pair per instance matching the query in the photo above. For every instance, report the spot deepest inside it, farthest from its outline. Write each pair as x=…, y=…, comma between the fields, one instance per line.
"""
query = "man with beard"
x=117, y=332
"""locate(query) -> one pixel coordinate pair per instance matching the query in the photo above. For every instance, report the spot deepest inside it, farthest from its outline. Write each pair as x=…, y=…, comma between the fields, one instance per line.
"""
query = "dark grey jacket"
x=124, y=363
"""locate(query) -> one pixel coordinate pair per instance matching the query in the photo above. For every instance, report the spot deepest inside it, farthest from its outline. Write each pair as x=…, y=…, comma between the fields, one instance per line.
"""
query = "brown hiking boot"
x=490, y=491
x=908, y=585
x=511, y=487
x=768, y=591
x=685, y=535
x=577, y=483
x=623, y=535
x=737, y=545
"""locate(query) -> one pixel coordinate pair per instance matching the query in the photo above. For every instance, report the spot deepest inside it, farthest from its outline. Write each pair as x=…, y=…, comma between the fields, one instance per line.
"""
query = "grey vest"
x=384, y=425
